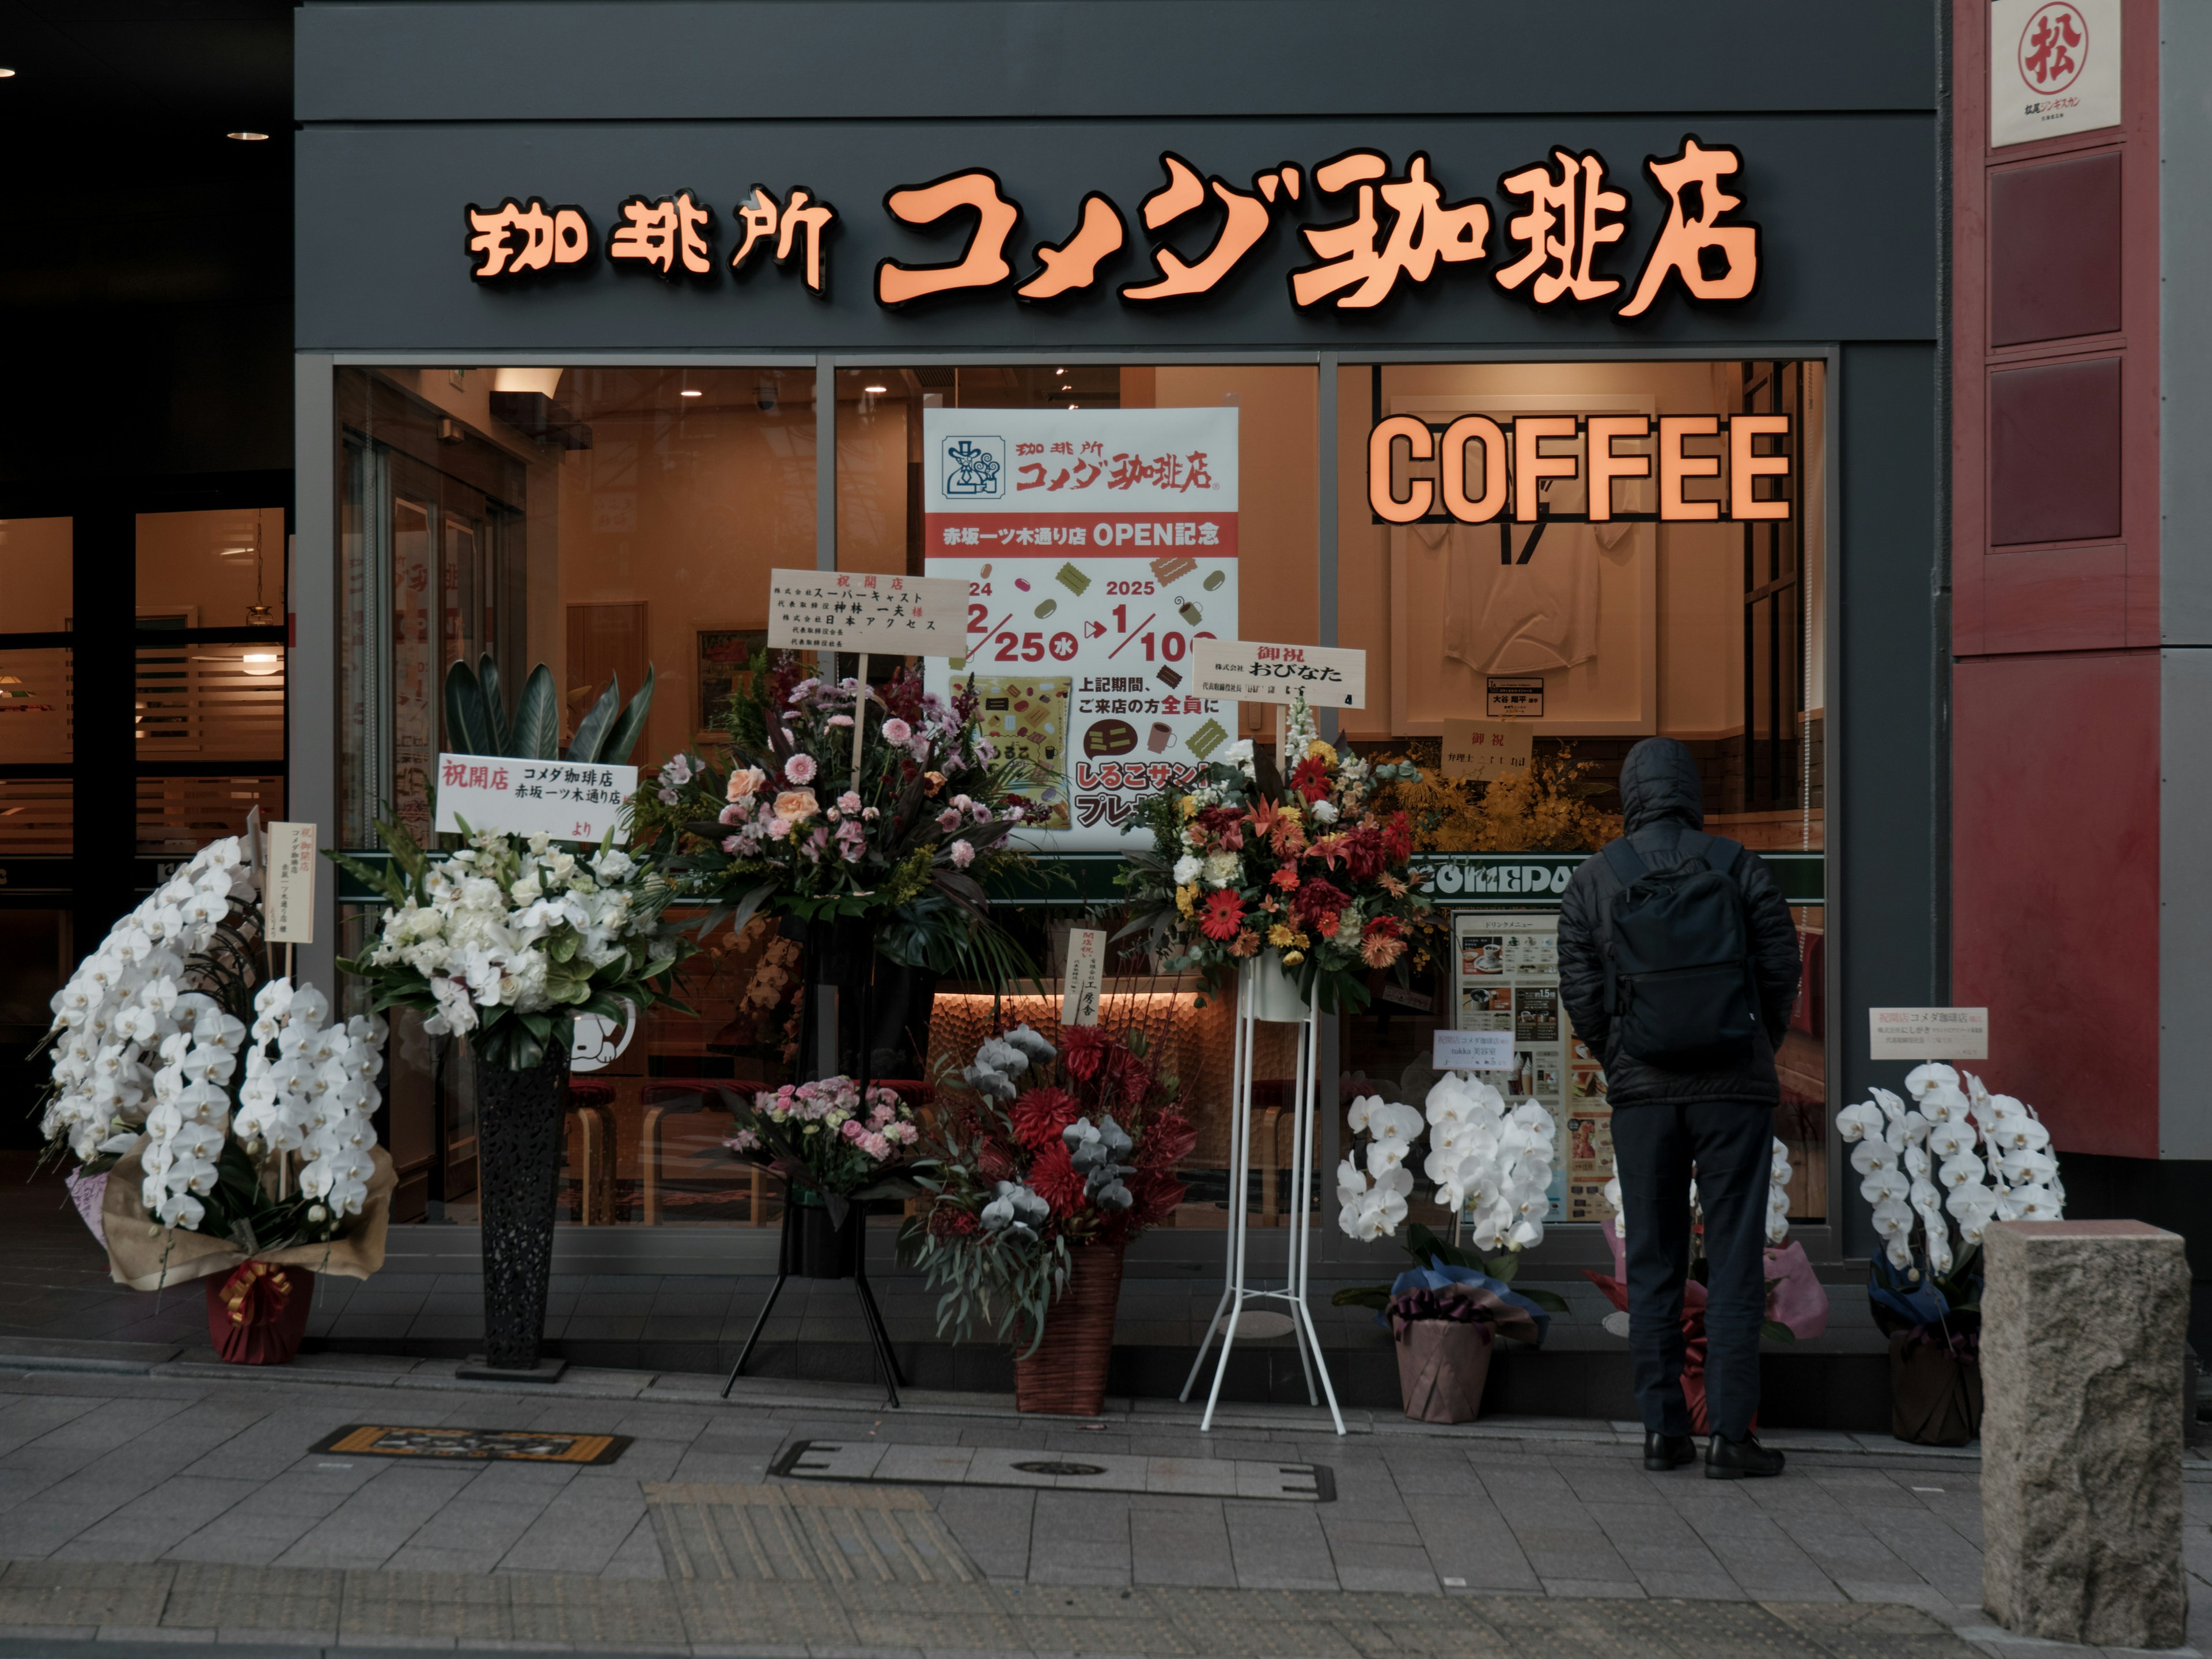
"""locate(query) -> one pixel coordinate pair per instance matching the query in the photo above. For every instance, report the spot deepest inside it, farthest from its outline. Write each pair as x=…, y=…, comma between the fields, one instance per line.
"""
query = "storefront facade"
x=1594, y=426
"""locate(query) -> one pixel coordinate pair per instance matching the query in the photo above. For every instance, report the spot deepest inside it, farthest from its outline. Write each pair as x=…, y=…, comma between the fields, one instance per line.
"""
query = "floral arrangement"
x=1318, y=879
x=1458, y=1297
x=506, y=940
x=786, y=821
x=1482, y=1153
x=1546, y=807
x=148, y=1036
x=1026, y=1168
x=1937, y=1173
x=818, y=1135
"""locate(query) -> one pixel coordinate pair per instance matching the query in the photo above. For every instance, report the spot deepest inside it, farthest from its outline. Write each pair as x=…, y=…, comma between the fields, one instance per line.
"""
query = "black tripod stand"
x=856, y=1220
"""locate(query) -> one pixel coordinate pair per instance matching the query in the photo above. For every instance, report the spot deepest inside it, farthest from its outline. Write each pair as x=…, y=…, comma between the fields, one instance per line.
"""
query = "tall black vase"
x=898, y=1040
x=836, y=959
x=519, y=1176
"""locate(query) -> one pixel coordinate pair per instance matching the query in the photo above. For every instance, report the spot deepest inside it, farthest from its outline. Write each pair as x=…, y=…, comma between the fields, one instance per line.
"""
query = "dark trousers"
x=1732, y=1147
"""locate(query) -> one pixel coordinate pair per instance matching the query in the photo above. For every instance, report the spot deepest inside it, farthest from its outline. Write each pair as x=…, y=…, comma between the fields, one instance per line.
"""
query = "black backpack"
x=1678, y=965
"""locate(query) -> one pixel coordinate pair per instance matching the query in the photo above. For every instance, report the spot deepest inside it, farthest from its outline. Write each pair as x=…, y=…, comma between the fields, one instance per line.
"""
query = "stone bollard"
x=2082, y=1324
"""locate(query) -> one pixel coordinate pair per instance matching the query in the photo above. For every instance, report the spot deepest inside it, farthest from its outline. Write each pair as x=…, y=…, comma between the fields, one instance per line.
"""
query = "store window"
x=1552, y=637
x=37, y=711
x=606, y=522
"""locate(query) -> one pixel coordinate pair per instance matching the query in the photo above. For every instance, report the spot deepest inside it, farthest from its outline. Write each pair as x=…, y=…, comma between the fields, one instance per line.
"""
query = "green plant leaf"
x=537, y=731
x=466, y=728
x=375, y=877
x=495, y=707
x=1550, y=1300
x=1376, y=1296
x=1775, y=1331
x=591, y=730
x=619, y=741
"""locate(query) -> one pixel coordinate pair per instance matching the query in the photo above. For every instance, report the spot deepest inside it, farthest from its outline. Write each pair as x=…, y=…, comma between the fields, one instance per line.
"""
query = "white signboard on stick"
x=888, y=615
x=1930, y=1033
x=1483, y=750
x=1084, y=977
x=288, y=901
x=568, y=800
x=1329, y=677
x=1473, y=1051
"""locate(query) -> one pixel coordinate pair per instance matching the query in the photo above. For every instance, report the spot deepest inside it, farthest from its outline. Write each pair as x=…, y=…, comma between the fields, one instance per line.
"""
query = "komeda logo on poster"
x=975, y=468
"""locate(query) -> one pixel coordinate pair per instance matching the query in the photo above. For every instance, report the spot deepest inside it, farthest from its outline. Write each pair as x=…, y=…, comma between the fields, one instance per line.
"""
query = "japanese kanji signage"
x=1369, y=226
x=1709, y=467
x=2054, y=68
x=855, y=611
x=1326, y=677
x=1096, y=547
x=1471, y=1051
x=288, y=901
x=568, y=800
x=1482, y=749
x=1084, y=976
x=1929, y=1033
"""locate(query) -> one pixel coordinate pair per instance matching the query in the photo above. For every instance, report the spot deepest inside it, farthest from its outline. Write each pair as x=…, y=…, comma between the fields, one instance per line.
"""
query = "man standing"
x=1679, y=964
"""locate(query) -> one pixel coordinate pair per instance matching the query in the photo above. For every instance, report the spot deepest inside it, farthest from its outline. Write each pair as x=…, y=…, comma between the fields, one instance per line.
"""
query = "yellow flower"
x=1281, y=935
x=1320, y=752
x=1186, y=896
x=1190, y=807
x=1292, y=959
x=1293, y=812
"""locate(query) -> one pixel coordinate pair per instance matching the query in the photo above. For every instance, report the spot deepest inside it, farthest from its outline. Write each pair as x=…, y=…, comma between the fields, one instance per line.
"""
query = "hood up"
x=1659, y=781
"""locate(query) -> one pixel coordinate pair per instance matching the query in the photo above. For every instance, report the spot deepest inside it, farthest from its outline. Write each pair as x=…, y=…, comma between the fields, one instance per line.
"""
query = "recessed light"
x=7, y=75
x=247, y=137
x=1075, y=405
x=260, y=663
x=1060, y=371
x=691, y=391
x=876, y=391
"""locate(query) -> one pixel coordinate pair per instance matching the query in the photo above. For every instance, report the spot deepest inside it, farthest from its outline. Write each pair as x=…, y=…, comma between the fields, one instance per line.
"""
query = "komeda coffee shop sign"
x=1372, y=228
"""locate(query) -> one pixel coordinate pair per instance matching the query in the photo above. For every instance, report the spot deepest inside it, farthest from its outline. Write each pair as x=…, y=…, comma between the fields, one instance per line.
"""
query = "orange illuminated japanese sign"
x=1707, y=467
x=1372, y=230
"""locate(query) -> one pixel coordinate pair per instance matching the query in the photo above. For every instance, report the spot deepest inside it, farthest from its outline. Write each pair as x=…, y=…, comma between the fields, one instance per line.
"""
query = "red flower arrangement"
x=1025, y=1169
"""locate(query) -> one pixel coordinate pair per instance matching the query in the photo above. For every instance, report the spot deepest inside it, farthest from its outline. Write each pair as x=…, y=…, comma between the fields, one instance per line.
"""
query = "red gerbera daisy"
x=1310, y=777
x=1053, y=1177
x=1224, y=915
x=1041, y=1114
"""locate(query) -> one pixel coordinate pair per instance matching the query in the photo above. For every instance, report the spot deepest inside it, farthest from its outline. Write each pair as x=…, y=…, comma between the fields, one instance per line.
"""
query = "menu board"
x=1096, y=547
x=1505, y=973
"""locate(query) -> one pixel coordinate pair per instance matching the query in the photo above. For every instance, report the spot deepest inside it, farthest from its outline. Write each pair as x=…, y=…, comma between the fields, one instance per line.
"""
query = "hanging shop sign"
x=1709, y=467
x=1096, y=548
x=1373, y=229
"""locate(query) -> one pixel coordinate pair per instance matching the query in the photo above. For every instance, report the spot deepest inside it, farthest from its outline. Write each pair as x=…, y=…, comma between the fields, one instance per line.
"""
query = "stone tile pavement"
x=179, y=1500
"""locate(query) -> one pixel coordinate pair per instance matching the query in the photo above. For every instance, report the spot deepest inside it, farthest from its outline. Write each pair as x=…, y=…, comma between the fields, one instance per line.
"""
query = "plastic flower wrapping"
x=506, y=939
x=1940, y=1170
x=1485, y=1155
x=820, y=1135
x=170, y=1039
x=783, y=820
x=1038, y=1150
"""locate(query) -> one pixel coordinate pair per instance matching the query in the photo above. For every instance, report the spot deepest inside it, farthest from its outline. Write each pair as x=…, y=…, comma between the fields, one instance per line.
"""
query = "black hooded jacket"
x=1660, y=797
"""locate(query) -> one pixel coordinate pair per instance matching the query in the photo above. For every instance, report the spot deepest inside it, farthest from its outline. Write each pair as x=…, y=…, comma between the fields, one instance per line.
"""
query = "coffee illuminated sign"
x=1476, y=469
x=1378, y=229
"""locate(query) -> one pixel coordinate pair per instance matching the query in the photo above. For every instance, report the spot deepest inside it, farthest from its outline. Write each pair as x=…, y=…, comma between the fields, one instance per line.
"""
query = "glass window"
x=604, y=522
x=35, y=572
x=1544, y=630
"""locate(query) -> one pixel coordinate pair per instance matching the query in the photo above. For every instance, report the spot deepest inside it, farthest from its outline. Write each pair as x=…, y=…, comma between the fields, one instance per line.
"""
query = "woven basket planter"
x=1066, y=1375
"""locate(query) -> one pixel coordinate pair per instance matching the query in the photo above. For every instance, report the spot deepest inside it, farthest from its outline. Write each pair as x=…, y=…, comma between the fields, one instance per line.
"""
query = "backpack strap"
x=1627, y=867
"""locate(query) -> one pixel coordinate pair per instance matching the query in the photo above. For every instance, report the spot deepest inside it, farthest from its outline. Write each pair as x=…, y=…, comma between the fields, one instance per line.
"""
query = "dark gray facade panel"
x=985, y=59
x=1845, y=205
x=1885, y=752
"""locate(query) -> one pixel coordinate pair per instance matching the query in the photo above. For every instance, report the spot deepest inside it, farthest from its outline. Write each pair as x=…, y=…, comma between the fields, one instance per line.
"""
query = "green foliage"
x=1427, y=1246
x=477, y=722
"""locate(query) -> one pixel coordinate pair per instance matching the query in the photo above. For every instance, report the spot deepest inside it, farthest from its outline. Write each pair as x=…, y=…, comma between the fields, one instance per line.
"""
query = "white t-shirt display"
x=1502, y=619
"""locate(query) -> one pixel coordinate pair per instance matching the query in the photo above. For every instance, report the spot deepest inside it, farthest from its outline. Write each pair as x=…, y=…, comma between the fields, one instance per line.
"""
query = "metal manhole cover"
x=1046, y=1466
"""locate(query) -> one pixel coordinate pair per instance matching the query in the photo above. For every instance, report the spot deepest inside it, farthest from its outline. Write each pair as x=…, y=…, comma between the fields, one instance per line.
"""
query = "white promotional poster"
x=1097, y=545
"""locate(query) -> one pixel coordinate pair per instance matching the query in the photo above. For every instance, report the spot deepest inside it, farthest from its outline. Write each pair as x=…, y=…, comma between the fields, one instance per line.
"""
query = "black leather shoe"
x=1741, y=1459
x=1662, y=1452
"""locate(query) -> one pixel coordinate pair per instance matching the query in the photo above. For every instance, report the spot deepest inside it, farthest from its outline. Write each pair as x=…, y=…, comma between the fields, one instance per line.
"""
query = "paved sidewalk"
x=181, y=1499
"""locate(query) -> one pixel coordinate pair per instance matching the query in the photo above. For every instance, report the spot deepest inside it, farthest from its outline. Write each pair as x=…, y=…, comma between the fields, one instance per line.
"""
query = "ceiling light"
x=876, y=391
x=1075, y=405
x=248, y=137
x=261, y=663
x=7, y=75
x=1060, y=371
x=691, y=391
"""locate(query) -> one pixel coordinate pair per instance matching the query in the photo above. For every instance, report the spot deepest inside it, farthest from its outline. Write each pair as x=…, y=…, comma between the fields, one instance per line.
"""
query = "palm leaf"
x=591, y=730
x=467, y=729
x=495, y=705
x=627, y=730
x=537, y=731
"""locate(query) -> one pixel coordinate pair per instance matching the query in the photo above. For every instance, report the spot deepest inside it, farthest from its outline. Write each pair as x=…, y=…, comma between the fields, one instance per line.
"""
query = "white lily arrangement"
x=148, y=1038
x=1483, y=1153
x=1919, y=1162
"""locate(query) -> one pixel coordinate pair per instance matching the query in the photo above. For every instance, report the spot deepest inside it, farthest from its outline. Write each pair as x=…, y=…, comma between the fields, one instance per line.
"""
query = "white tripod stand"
x=1250, y=993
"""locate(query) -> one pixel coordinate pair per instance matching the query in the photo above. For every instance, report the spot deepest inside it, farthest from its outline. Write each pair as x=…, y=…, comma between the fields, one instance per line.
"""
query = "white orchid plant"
x=146, y=1040
x=1954, y=1160
x=1487, y=1159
